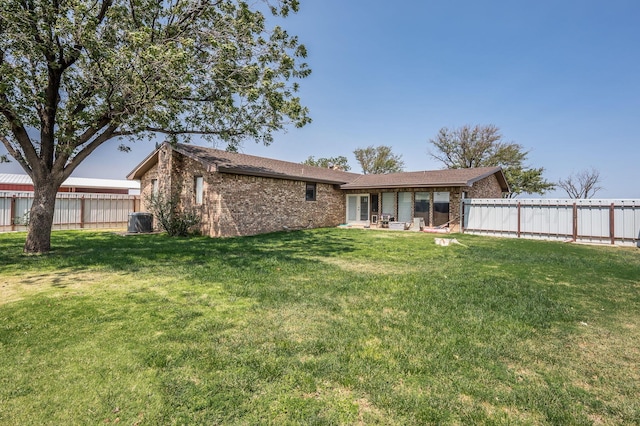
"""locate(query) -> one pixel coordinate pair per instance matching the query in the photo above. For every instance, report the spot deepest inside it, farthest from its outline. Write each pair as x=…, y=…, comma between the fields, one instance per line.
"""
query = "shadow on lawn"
x=79, y=250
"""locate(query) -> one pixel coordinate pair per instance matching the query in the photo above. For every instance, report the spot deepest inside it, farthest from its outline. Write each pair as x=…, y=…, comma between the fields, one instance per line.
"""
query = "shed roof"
x=21, y=179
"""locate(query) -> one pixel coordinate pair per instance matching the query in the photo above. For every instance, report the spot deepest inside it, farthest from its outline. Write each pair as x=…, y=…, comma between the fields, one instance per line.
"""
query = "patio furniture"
x=385, y=218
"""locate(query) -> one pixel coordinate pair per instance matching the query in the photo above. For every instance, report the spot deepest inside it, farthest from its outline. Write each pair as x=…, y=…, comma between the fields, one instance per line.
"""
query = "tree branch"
x=233, y=132
x=65, y=153
x=91, y=132
x=16, y=154
x=86, y=151
x=21, y=135
x=103, y=10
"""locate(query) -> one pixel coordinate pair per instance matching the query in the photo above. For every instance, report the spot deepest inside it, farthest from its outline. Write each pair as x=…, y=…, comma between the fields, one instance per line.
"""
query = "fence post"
x=12, y=212
x=612, y=233
x=575, y=222
x=82, y=212
x=519, y=216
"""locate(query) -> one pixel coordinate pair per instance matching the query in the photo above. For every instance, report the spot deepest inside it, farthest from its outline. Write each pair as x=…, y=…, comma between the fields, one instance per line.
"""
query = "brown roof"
x=427, y=179
x=216, y=160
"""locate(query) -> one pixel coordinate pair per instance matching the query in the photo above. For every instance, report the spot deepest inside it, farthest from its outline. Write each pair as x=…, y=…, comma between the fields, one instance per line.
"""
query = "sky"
x=561, y=78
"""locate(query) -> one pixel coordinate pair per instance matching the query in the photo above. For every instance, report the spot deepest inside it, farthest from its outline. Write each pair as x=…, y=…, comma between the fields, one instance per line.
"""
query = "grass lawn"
x=325, y=326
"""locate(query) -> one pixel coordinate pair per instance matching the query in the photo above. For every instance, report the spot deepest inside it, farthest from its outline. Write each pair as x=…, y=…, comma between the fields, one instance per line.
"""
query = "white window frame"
x=198, y=185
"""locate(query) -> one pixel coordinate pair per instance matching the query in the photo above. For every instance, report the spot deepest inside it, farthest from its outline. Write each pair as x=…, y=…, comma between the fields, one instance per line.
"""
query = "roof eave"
x=411, y=185
x=144, y=166
x=239, y=171
x=209, y=166
x=498, y=173
x=502, y=180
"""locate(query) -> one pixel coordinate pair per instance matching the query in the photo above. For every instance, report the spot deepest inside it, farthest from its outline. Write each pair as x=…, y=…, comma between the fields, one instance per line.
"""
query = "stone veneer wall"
x=248, y=205
x=145, y=187
x=485, y=188
x=161, y=172
x=235, y=205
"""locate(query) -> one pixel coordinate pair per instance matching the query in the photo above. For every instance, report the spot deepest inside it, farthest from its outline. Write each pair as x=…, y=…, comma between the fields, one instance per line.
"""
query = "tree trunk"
x=41, y=218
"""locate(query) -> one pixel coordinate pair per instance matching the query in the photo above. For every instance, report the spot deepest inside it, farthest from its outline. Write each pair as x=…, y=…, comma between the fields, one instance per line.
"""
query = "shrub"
x=175, y=221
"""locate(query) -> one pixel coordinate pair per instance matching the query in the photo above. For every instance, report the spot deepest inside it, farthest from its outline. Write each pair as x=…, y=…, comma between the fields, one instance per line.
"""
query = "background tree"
x=378, y=160
x=483, y=146
x=77, y=73
x=339, y=162
x=583, y=184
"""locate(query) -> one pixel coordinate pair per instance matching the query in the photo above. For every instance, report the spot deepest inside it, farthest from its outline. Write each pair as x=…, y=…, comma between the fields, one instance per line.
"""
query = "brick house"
x=238, y=194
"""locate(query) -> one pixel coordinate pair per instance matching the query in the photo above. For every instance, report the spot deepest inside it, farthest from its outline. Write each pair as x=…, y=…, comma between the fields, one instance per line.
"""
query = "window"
x=404, y=206
x=421, y=206
x=154, y=186
x=310, y=194
x=388, y=199
x=199, y=189
x=440, y=208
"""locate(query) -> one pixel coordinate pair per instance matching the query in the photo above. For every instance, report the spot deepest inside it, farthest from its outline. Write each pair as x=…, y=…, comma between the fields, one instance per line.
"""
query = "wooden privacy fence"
x=590, y=221
x=72, y=210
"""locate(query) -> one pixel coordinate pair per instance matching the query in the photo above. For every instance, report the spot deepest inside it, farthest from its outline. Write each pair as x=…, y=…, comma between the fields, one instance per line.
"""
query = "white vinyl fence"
x=590, y=221
x=72, y=210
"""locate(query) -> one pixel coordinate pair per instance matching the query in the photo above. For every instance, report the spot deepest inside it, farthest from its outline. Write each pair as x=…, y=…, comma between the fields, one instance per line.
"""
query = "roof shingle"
x=216, y=160
x=231, y=162
x=425, y=179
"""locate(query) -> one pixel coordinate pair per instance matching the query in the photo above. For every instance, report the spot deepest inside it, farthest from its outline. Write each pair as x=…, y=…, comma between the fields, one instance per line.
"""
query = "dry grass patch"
x=367, y=412
x=607, y=355
x=19, y=287
x=372, y=266
x=14, y=288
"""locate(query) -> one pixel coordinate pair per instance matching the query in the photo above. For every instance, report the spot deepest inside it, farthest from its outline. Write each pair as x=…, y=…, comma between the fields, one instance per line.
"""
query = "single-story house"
x=238, y=194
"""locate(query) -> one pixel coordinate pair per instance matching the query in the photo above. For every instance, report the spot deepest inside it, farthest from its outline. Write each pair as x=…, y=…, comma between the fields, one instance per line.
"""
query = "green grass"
x=318, y=327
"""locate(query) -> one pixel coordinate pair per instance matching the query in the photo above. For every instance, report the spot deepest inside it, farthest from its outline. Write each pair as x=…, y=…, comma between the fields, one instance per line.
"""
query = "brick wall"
x=235, y=205
x=485, y=188
x=248, y=205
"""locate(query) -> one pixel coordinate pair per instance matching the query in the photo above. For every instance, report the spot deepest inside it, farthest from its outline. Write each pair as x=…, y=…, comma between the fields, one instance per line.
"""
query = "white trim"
x=358, y=213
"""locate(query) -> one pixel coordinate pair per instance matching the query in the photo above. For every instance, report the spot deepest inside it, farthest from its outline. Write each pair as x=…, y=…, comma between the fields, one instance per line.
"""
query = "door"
x=358, y=208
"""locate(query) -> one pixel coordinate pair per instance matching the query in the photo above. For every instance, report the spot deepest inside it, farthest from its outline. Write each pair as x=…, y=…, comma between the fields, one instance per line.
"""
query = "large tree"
x=583, y=184
x=378, y=160
x=77, y=73
x=483, y=146
x=340, y=162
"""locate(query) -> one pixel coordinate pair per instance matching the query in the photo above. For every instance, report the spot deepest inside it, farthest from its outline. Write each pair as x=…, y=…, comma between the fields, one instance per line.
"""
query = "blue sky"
x=561, y=78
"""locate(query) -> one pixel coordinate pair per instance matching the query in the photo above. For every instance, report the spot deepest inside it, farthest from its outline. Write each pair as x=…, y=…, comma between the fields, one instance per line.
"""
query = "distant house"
x=23, y=183
x=237, y=194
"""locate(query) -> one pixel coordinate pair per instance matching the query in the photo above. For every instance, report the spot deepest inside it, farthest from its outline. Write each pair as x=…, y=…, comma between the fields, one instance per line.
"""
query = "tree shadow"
x=81, y=250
